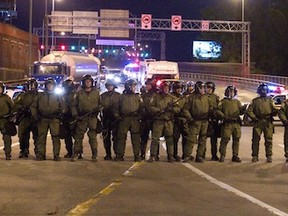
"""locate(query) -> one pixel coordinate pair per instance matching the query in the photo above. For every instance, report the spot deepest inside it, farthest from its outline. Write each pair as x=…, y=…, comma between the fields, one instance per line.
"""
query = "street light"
x=243, y=20
x=30, y=35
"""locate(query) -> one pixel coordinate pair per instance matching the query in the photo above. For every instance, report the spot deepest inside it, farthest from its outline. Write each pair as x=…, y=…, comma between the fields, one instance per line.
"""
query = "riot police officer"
x=69, y=97
x=127, y=112
x=230, y=109
x=213, y=121
x=22, y=105
x=189, y=88
x=88, y=103
x=48, y=109
x=147, y=120
x=261, y=111
x=163, y=106
x=197, y=110
x=283, y=115
x=110, y=100
x=5, y=110
x=180, y=123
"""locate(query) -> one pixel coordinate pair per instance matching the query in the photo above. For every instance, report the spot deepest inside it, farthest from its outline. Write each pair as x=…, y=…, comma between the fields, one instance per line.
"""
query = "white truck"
x=160, y=70
x=61, y=64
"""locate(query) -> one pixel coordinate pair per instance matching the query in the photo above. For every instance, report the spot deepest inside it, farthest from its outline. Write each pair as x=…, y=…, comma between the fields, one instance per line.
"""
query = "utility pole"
x=46, y=27
x=30, y=35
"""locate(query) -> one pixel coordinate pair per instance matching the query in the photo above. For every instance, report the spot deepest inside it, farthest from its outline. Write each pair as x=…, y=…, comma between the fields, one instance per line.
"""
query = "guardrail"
x=229, y=70
x=242, y=82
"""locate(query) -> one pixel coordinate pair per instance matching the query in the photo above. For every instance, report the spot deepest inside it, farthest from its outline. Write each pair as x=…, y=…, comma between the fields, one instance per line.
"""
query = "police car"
x=13, y=93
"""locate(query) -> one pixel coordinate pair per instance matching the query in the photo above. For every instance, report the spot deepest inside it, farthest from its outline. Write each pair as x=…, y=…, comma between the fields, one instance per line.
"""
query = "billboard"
x=205, y=50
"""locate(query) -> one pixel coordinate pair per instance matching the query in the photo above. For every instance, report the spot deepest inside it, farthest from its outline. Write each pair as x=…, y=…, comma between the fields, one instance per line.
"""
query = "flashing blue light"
x=73, y=47
x=146, y=54
x=106, y=51
x=83, y=48
x=114, y=51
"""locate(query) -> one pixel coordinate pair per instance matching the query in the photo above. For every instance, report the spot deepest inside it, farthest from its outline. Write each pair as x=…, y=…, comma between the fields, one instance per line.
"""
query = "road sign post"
x=146, y=21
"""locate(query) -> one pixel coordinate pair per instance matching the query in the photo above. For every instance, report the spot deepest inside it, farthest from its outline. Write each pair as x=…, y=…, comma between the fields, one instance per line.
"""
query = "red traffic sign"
x=205, y=25
x=176, y=23
x=146, y=21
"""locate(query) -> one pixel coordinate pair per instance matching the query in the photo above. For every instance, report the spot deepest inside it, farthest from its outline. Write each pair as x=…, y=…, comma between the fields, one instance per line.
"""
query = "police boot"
x=21, y=155
x=68, y=155
x=119, y=158
x=80, y=156
x=108, y=157
x=74, y=157
x=170, y=159
x=151, y=159
x=199, y=159
x=177, y=158
x=56, y=158
x=8, y=156
x=142, y=156
x=187, y=159
x=94, y=158
x=236, y=159
x=255, y=159
x=137, y=158
x=222, y=158
x=215, y=158
x=269, y=159
x=157, y=158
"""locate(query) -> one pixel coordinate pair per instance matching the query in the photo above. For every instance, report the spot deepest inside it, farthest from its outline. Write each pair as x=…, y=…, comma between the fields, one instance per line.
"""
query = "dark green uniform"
x=110, y=101
x=69, y=99
x=86, y=102
x=261, y=111
x=180, y=125
x=197, y=110
x=128, y=111
x=22, y=105
x=147, y=121
x=163, y=107
x=283, y=115
x=230, y=109
x=214, y=124
x=5, y=109
x=46, y=109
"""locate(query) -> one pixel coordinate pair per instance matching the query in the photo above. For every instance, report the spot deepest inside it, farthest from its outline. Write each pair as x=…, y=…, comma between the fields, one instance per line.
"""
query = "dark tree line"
x=269, y=33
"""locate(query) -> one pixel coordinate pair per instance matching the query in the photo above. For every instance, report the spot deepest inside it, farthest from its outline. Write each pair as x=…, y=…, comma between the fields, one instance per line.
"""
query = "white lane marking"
x=235, y=191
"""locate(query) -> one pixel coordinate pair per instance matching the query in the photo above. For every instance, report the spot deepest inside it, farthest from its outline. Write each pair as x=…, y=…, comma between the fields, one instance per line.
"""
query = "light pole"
x=30, y=35
x=243, y=37
x=52, y=32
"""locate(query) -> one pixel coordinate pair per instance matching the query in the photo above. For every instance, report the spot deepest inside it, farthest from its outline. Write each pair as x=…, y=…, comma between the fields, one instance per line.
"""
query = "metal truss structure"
x=156, y=25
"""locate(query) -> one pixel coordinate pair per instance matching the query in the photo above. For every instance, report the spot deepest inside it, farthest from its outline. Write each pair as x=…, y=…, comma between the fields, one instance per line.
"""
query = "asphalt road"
x=30, y=187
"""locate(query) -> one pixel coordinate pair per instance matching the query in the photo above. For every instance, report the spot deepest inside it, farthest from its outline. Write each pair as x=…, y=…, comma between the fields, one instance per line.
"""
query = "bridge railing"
x=243, y=82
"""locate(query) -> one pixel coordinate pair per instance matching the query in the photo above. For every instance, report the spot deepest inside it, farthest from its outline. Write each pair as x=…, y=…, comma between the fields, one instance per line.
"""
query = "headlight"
x=109, y=76
x=117, y=79
x=58, y=90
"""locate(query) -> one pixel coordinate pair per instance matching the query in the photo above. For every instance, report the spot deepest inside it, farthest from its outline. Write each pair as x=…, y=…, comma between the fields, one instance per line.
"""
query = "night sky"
x=178, y=43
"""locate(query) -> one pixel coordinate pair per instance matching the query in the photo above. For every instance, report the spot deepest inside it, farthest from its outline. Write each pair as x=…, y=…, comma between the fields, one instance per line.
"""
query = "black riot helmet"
x=31, y=85
x=198, y=86
x=229, y=89
x=110, y=82
x=151, y=82
x=129, y=84
x=3, y=86
x=263, y=90
x=68, y=85
x=190, y=84
x=50, y=80
x=164, y=84
x=87, y=77
x=211, y=85
x=177, y=85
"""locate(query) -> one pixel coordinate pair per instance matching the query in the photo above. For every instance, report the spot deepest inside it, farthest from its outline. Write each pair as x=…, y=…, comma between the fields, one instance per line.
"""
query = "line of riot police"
x=194, y=114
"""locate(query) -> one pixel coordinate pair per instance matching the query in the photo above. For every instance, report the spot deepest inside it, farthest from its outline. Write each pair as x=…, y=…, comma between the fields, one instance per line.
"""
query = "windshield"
x=47, y=69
